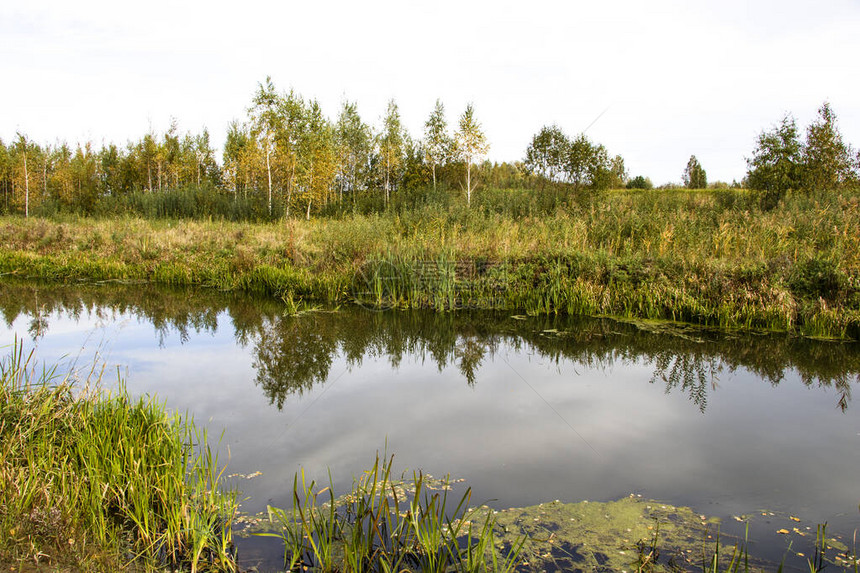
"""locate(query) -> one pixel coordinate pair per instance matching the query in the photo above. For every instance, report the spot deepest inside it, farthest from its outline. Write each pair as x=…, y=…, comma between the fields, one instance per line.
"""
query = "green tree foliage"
x=694, y=175
x=84, y=168
x=618, y=173
x=640, y=182
x=776, y=164
x=828, y=163
x=5, y=173
x=317, y=167
x=354, y=145
x=507, y=175
x=578, y=162
x=286, y=154
x=417, y=169
x=267, y=122
x=781, y=162
x=471, y=144
x=438, y=145
x=278, y=125
x=239, y=150
x=293, y=114
x=547, y=152
x=110, y=170
x=588, y=165
x=391, y=149
x=24, y=148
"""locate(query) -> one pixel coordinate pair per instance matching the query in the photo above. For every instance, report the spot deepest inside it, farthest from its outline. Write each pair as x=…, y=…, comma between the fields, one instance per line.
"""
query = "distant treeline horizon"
x=285, y=158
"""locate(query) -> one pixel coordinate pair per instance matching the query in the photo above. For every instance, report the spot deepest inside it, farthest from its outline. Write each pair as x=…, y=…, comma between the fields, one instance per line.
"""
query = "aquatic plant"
x=95, y=480
x=387, y=525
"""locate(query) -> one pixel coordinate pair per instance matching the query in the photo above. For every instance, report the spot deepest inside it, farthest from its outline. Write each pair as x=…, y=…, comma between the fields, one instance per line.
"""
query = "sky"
x=654, y=82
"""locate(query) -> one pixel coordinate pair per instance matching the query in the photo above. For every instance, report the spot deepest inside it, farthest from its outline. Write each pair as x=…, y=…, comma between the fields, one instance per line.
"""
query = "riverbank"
x=711, y=258
x=92, y=481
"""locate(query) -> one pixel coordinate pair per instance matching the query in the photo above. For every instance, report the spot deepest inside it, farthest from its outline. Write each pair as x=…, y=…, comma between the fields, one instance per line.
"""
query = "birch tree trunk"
x=26, y=189
x=269, y=172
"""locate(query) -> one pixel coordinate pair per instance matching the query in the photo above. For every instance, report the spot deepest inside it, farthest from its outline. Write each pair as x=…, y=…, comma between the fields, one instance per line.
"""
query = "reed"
x=382, y=526
x=96, y=480
x=713, y=258
x=738, y=560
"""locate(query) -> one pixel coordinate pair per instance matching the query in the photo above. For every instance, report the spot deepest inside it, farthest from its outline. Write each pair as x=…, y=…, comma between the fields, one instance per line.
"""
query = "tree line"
x=578, y=162
x=781, y=162
x=286, y=158
x=31, y=174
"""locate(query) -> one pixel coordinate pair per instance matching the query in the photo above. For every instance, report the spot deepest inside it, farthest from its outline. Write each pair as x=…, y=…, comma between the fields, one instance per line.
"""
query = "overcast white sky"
x=674, y=78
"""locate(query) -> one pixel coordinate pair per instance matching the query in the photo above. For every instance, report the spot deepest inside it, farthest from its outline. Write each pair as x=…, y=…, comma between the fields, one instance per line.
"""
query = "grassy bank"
x=98, y=482
x=712, y=258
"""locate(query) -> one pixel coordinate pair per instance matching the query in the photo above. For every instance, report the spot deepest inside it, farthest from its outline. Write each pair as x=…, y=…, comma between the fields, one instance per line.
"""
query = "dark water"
x=525, y=409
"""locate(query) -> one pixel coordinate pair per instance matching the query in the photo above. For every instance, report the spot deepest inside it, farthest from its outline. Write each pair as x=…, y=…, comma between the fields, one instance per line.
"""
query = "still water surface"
x=525, y=409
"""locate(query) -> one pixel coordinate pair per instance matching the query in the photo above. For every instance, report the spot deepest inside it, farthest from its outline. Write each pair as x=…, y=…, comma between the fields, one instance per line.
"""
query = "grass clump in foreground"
x=385, y=525
x=97, y=482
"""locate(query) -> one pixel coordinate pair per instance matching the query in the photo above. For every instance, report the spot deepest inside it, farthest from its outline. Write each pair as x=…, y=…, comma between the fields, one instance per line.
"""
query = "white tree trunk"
x=269, y=172
x=468, y=181
x=26, y=188
x=387, y=177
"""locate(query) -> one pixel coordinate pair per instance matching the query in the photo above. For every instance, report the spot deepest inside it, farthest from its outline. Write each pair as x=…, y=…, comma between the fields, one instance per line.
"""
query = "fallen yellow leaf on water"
x=791, y=517
x=782, y=531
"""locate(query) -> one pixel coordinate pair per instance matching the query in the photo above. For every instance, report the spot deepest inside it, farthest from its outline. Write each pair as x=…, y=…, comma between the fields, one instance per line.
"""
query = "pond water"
x=524, y=409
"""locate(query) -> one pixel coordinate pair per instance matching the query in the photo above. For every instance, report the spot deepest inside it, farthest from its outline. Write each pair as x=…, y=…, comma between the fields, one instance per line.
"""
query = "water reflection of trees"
x=180, y=311
x=293, y=354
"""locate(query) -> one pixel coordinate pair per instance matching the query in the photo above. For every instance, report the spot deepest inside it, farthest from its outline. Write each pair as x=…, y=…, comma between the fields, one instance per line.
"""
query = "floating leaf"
x=782, y=531
x=791, y=517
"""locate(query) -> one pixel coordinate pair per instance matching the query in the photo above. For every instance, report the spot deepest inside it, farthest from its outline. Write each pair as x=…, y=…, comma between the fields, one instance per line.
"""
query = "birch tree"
x=471, y=145
x=266, y=122
x=437, y=142
x=237, y=149
x=5, y=164
x=546, y=154
x=694, y=175
x=317, y=163
x=23, y=145
x=293, y=114
x=391, y=147
x=353, y=144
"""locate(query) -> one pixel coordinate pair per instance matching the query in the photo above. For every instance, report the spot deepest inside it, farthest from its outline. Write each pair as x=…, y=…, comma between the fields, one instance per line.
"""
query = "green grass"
x=708, y=257
x=98, y=482
x=382, y=526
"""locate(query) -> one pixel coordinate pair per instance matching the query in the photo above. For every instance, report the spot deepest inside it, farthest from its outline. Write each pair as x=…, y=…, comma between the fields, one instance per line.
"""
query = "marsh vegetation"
x=712, y=258
x=100, y=481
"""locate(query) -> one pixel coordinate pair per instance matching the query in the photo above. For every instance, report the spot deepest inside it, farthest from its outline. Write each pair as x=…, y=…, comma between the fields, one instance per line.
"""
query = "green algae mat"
x=624, y=535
